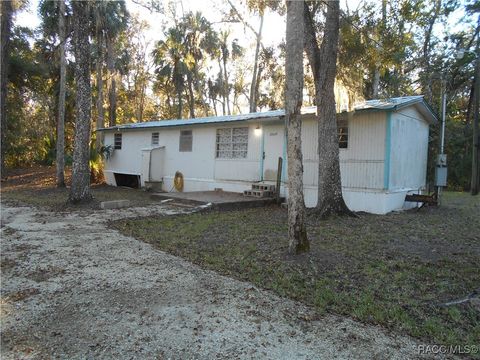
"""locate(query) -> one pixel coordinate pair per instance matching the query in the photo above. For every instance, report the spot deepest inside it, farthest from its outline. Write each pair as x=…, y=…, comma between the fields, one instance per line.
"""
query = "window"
x=117, y=141
x=232, y=143
x=155, y=138
x=342, y=128
x=185, y=141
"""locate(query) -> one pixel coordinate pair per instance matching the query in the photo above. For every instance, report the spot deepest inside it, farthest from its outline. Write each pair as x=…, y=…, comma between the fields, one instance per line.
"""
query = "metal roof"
x=391, y=104
x=388, y=104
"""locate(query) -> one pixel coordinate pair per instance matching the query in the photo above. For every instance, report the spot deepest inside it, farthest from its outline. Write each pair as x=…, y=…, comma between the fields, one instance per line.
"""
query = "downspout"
x=388, y=151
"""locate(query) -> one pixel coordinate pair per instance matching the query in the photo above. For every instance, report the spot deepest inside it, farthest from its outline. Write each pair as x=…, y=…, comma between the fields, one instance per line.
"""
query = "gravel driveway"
x=74, y=288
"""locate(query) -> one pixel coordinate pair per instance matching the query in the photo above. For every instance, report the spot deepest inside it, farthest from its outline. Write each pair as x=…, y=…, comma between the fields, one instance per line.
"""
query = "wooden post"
x=279, y=179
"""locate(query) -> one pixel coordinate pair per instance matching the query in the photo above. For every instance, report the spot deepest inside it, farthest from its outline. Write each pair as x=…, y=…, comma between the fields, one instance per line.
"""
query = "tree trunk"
x=257, y=85
x=376, y=70
x=427, y=76
x=60, y=156
x=253, y=85
x=141, y=105
x=323, y=62
x=191, y=95
x=198, y=89
x=180, y=102
x=6, y=23
x=112, y=91
x=471, y=97
x=99, y=66
x=297, y=232
x=214, y=104
x=80, y=190
x=376, y=82
x=225, y=85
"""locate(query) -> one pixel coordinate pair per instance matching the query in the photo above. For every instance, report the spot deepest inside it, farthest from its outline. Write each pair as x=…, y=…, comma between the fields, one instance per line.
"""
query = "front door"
x=273, y=149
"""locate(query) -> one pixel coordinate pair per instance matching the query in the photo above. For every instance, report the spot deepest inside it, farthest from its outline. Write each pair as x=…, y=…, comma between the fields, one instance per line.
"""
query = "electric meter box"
x=441, y=170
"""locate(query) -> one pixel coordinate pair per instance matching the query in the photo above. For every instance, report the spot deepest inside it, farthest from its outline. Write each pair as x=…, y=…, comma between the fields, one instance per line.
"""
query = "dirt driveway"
x=74, y=288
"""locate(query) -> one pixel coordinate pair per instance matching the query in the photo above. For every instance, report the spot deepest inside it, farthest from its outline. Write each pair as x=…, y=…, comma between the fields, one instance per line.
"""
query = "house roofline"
x=273, y=115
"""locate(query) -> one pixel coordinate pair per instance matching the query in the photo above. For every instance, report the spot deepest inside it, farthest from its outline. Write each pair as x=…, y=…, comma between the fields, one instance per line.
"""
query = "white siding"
x=362, y=163
x=409, y=150
x=247, y=169
x=128, y=159
x=199, y=164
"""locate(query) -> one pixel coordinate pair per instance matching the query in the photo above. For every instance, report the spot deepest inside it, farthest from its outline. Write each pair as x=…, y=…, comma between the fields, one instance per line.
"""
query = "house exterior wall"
x=128, y=159
x=363, y=164
x=200, y=165
x=409, y=150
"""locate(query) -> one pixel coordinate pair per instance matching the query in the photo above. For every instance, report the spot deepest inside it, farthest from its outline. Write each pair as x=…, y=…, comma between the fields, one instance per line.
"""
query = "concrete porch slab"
x=221, y=200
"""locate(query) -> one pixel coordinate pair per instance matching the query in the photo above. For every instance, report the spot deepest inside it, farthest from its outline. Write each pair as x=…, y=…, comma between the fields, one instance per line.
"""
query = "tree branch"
x=311, y=45
x=241, y=19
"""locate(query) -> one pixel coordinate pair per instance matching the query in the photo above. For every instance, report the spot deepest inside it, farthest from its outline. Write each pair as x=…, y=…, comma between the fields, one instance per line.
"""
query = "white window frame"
x=184, y=137
x=232, y=142
x=117, y=144
x=155, y=138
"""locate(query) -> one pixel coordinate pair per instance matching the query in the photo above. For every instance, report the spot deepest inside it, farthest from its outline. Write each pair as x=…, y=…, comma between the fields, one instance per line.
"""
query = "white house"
x=383, y=152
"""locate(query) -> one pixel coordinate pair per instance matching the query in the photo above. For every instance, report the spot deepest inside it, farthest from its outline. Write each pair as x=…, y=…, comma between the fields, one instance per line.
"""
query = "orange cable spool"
x=178, y=181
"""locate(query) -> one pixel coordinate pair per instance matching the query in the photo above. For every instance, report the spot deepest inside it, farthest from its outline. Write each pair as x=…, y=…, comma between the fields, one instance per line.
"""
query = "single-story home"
x=383, y=152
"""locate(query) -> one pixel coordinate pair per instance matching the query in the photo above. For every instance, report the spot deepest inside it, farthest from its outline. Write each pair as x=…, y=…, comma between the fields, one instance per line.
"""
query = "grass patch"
x=392, y=270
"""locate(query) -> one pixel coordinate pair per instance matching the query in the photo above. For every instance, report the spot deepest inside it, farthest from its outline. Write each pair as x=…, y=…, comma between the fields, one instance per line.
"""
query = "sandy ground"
x=74, y=288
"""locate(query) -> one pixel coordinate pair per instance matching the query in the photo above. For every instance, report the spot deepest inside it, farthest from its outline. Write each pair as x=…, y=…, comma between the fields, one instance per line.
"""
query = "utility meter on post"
x=441, y=171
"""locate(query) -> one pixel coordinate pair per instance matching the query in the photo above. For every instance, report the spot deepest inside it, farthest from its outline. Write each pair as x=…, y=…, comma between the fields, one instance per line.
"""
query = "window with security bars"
x=155, y=138
x=232, y=143
x=186, y=138
x=117, y=141
x=342, y=130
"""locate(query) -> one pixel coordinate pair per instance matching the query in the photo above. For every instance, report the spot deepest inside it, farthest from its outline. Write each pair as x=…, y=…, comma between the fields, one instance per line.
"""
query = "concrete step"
x=258, y=193
x=154, y=185
x=263, y=187
x=114, y=204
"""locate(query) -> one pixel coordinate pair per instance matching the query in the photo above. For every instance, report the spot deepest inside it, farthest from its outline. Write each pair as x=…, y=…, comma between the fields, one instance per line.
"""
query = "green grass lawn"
x=394, y=270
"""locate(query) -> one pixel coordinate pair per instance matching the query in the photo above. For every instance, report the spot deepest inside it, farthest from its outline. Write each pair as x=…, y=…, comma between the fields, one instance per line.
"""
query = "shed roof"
x=390, y=104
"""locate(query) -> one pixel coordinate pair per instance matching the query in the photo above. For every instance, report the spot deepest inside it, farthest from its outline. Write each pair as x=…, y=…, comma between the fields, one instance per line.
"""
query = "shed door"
x=273, y=148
